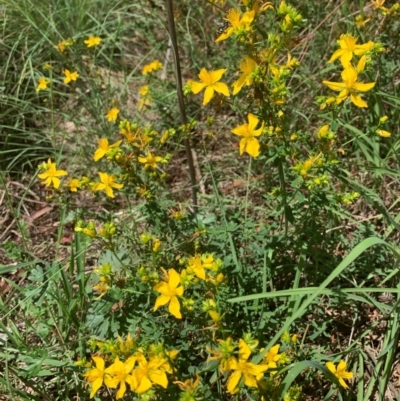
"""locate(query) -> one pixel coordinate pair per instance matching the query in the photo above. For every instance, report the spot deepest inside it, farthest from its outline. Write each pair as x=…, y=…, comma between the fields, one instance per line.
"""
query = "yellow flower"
x=272, y=357
x=112, y=114
x=189, y=388
x=95, y=376
x=42, y=84
x=107, y=184
x=103, y=148
x=119, y=375
x=144, y=90
x=51, y=174
x=63, y=44
x=102, y=286
x=198, y=263
x=149, y=372
x=258, y=7
x=223, y=354
x=248, y=131
x=340, y=372
x=156, y=245
x=92, y=41
x=304, y=168
x=378, y=4
x=126, y=346
x=360, y=21
x=215, y=316
x=247, y=66
x=150, y=161
x=188, y=384
x=209, y=81
x=169, y=293
x=383, y=133
x=73, y=184
x=195, y=266
x=250, y=372
x=153, y=66
x=70, y=76
x=145, y=99
x=60, y=46
x=348, y=48
x=349, y=87
x=237, y=25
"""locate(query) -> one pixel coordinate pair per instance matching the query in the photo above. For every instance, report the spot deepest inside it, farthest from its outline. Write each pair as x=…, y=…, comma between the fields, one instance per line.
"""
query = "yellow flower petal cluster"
x=272, y=357
x=106, y=184
x=348, y=48
x=140, y=378
x=349, y=88
x=150, y=161
x=51, y=174
x=383, y=133
x=340, y=372
x=42, y=84
x=238, y=24
x=247, y=67
x=223, y=354
x=92, y=41
x=153, y=66
x=96, y=375
x=112, y=114
x=145, y=99
x=249, y=143
x=103, y=148
x=73, y=184
x=209, y=82
x=170, y=291
x=198, y=263
x=70, y=76
x=149, y=373
x=250, y=372
x=118, y=375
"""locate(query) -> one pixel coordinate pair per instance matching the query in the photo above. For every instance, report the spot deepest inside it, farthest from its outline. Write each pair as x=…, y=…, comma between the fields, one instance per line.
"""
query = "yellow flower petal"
x=335, y=86
x=196, y=87
x=174, y=278
x=174, y=308
x=252, y=147
x=121, y=391
x=161, y=301
x=95, y=386
x=208, y=94
x=249, y=380
x=145, y=384
x=221, y=88
x=159, y=377
x=233, y=381
x=217, y=74
x=361, y=87
x=238, y=85
x=225, y=35
x=383, y=133
x=356, y=99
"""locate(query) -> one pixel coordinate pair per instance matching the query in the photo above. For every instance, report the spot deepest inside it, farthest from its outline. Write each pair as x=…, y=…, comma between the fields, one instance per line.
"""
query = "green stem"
x=182, y=112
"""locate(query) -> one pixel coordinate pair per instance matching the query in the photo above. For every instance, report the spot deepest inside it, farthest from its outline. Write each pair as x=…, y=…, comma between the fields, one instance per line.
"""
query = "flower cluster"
x=69, y=76
x=201, y=269
x=140, y=368
x=350, y=87
x=139, y=144
x=261, y=70
x=234, y=361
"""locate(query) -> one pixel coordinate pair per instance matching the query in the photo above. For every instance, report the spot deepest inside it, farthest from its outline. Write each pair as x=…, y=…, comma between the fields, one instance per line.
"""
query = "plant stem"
x=182, y=112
